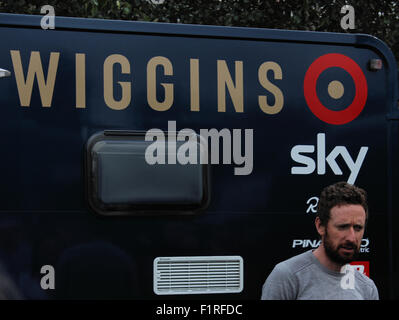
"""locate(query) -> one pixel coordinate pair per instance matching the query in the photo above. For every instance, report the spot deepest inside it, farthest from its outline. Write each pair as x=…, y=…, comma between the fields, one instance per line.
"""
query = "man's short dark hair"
x=340, y=193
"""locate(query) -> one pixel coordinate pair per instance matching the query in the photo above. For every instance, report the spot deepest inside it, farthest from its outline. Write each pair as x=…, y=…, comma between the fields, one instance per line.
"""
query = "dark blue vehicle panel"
x=45, y=217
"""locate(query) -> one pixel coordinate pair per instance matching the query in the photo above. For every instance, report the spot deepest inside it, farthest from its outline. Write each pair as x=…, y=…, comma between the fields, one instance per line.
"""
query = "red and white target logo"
x=335, y=89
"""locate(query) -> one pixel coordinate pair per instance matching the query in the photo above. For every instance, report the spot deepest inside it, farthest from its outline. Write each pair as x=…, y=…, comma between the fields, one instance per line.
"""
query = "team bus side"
x=154, y=160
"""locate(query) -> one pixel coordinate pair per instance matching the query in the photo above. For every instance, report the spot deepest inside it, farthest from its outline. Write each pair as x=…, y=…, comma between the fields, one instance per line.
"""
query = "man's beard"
x=334, y=254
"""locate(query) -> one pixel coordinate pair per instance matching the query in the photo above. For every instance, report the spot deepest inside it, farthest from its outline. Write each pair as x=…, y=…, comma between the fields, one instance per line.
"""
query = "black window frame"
x=96, y=205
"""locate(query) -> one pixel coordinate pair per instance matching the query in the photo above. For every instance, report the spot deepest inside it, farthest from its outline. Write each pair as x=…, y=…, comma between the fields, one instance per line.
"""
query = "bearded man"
x=325, y=273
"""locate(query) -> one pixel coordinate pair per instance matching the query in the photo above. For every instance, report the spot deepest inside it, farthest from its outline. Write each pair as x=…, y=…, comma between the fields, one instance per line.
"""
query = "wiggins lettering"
x=160, y=82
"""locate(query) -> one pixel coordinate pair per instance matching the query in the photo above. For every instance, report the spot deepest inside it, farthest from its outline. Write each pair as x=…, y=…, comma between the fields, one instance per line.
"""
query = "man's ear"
x=321, y=230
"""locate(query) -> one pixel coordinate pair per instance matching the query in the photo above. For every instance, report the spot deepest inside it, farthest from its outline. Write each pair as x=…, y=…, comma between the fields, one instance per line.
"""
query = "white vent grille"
x=198, y=275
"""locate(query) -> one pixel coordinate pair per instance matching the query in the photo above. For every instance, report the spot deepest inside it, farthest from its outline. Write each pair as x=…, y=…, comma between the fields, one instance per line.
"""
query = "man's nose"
x=351, y=235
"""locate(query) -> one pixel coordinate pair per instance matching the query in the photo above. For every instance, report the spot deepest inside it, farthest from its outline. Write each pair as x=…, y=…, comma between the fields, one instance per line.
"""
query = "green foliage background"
x=376, y=17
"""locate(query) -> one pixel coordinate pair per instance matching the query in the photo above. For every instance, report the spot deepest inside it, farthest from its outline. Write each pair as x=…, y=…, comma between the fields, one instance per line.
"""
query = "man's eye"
x=358, y=228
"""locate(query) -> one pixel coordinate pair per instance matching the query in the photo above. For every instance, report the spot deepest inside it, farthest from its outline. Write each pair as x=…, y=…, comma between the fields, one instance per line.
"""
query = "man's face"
x=344, y=233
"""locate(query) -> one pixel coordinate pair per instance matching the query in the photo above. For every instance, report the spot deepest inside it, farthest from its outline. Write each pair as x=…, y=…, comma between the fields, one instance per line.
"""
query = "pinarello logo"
x=335, y=89
x=362, y=267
